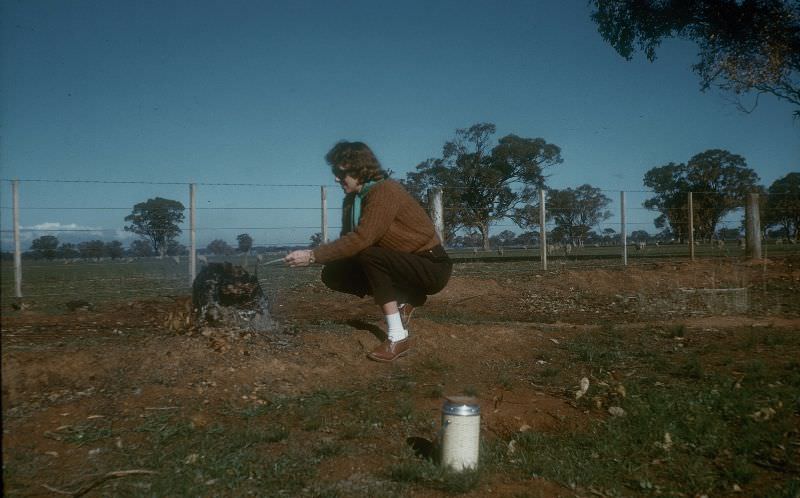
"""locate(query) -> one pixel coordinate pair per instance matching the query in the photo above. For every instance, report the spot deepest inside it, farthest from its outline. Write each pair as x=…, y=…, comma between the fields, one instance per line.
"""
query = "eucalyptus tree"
x=219, y=247
x=45, y=246
x=316, y=240
x=92, y=249
x=744, y=46
x=68, y=250
x=157, y=221
x=141, y=248
x=719, y=179
x=484, y=182
x=244, y=243
x=114, y=249
x=782, y=208
x=574, y=212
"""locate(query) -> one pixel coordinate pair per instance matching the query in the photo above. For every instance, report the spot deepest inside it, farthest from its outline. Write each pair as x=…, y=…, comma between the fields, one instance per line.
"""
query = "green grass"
x=713, y=443
x=50, y=284
x=435, y=364
x=687, y=428
x=82, y=434
x=690, y=427
x=665, y=251
x=422, y=472
x=222, y=459
x=251, y=450
x=673, y=331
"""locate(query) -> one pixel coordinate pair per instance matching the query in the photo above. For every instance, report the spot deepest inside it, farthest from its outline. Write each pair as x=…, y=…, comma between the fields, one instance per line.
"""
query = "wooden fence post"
x=542, y=229
x=323, y=193
x=437, y=213
x=192, y=235
x=752, y=232
x=623, y=231
x=17, y=249
x=691, y=228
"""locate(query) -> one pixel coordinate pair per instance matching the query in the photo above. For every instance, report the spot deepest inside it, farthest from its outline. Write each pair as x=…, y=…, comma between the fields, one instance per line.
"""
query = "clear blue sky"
x=258, y=91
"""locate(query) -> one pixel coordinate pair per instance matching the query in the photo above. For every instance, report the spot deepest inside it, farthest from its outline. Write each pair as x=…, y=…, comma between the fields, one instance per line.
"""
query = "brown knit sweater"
x=390, y=218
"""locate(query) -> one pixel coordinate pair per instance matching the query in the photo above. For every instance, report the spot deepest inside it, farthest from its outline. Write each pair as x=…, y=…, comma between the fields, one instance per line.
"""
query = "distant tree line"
x=484, y=181
x=49, y=247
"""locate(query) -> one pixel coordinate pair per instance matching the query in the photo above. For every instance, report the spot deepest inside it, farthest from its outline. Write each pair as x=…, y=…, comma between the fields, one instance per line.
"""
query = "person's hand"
x=299, y=258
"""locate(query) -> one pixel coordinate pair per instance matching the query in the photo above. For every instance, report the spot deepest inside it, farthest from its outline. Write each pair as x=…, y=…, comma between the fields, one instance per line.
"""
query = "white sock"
x=396, y=330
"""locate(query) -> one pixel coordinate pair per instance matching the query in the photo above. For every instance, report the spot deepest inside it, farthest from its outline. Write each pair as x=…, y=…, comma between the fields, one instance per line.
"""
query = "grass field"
x=51, y=283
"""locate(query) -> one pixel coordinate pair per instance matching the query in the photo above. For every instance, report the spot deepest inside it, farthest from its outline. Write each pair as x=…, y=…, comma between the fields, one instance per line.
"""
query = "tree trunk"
x=485, y=233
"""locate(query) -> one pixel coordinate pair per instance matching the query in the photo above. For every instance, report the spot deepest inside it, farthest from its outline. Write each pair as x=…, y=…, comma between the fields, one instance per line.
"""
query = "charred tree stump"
x=227, y=296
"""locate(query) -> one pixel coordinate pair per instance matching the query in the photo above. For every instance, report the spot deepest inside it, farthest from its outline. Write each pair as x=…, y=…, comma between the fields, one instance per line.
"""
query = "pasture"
x=690, y=393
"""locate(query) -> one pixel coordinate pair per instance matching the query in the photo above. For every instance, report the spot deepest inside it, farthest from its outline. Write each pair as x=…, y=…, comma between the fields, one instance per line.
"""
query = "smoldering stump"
x=227, y=296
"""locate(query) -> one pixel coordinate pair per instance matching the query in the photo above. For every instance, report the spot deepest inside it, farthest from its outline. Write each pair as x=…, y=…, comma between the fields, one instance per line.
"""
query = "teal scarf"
x=355, y=214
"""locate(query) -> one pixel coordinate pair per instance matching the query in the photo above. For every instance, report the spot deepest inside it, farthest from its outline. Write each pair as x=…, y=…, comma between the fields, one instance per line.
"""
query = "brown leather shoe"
x=390, y=351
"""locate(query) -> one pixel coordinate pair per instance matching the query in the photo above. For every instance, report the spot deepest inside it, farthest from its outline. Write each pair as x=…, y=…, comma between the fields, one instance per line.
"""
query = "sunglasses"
x=339, y=173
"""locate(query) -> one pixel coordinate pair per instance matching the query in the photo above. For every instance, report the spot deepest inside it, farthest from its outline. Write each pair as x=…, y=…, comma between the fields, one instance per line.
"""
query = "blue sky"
x=256, y=92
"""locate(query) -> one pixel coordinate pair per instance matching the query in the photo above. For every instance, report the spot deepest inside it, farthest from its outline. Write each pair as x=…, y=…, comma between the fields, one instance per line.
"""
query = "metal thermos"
x=461, y=428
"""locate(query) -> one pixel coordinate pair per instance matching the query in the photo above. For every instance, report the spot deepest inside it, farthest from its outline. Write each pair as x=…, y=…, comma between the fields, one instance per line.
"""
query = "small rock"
x=584, y=386
x=616, y=411
x=763, y=414
x=512, y=446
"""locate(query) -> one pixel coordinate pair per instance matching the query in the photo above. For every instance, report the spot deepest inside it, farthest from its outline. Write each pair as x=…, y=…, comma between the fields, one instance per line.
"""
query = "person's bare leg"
x=390, y=308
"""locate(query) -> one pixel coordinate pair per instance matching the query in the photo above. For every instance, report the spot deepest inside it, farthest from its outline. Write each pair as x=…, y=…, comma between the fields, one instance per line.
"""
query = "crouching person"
x=388, y=247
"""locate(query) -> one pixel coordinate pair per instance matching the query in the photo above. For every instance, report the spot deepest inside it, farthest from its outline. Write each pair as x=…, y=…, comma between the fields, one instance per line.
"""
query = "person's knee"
x=331, y=278
x=370, y=254
x=344, y=277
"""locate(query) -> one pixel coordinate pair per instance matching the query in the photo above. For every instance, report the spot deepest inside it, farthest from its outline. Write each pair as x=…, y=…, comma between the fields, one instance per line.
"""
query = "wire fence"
x=278, y=217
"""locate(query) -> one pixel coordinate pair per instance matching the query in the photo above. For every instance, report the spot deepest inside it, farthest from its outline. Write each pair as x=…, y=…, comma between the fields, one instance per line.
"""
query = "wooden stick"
x=273, y=261
x=111, y=475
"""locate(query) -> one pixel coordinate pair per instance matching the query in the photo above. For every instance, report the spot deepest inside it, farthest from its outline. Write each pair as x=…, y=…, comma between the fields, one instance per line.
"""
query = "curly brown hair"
x=355, y=159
